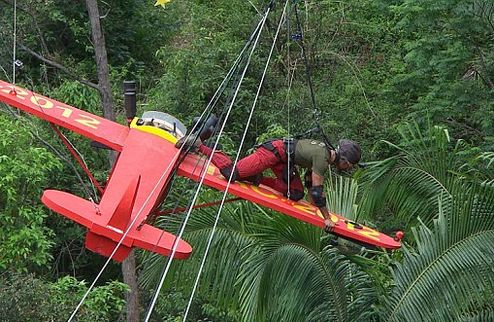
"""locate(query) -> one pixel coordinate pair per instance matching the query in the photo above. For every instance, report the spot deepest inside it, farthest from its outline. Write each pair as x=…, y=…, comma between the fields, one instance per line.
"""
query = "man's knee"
x=227, y=173
x=254, y=179
x=296, y=195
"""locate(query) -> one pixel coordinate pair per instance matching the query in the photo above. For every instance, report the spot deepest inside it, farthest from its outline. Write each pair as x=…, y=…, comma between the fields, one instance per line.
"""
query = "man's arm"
x=317, y=180
x=318, y=198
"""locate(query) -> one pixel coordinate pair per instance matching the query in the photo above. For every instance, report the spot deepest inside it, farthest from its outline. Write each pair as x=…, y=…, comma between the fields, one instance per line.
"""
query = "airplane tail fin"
x=122, y=214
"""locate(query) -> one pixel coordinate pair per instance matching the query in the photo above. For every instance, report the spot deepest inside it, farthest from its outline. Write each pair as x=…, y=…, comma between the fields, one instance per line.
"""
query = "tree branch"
x=467, y=128
x=57, y=65
x=486, y=79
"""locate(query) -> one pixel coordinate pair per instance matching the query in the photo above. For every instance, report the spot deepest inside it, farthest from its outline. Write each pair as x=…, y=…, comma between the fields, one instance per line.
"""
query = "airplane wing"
x=264, y=196
x=94, y=127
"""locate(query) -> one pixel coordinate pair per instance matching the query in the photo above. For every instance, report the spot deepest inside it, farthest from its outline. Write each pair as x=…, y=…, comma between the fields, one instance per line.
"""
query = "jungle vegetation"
x=410, y=80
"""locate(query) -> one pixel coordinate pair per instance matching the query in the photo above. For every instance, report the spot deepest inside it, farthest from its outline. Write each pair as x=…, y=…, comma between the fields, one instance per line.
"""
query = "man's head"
x=348, y=154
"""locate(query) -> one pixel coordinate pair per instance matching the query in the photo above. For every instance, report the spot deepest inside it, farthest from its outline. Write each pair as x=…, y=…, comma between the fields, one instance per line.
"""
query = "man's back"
x=312, y=154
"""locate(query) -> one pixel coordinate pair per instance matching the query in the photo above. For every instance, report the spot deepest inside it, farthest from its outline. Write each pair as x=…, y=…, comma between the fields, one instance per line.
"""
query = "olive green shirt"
x=312, y=154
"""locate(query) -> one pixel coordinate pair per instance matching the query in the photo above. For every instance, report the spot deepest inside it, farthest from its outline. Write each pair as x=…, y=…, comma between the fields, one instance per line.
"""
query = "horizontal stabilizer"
x=73, y=207
x=160, y=241
x=102, y=237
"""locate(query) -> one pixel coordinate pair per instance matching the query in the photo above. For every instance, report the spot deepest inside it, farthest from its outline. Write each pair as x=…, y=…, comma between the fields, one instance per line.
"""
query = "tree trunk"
x=101, y=59
x=132, y=298
x=128, y=265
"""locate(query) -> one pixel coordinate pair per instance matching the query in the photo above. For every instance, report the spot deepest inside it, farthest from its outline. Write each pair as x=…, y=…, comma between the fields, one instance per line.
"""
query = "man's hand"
x=328, y=225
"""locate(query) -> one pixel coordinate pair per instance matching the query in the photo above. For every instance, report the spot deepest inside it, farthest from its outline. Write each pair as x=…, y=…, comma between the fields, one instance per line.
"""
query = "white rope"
x=211, y=236
x=233, y=68
x=127, y=231
x=130, y=226
x=289, y=146
x=288, y=154
x=144, y=204
x=165, y=273
x=132, y=223
x=290, y=82
x=14, y=64
x=15, y=43
x=213, y=98
x=121, y=239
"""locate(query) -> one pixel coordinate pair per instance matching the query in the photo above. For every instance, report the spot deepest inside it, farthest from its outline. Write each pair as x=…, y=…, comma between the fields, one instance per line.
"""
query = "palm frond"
x=481, y=316
x=342, y=196
x=231, y=240
x=489, y=157
x=410, y=183
x=277, y=229
x=294, y=283
x=452, y=267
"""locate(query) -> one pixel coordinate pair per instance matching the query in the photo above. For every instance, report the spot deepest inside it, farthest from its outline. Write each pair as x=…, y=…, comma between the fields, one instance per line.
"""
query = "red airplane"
x=138, y=181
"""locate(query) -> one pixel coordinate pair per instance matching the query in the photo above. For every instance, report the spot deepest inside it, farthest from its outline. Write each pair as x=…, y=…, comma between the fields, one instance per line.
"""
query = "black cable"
x=306, y=61
x=316, y=112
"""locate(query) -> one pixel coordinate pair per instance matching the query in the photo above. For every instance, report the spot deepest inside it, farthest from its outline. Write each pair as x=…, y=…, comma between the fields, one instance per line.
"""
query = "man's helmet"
x=349, y=151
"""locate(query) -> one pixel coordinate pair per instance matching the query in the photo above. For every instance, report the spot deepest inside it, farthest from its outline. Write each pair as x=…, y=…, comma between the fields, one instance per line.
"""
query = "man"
x=282, y=156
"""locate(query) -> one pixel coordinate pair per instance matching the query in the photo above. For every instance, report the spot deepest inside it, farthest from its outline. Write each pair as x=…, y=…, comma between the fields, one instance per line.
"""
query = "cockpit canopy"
x=165, y=122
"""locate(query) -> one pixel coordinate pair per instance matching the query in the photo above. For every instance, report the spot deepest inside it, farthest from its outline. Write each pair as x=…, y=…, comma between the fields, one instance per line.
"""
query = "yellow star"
x=161, y=2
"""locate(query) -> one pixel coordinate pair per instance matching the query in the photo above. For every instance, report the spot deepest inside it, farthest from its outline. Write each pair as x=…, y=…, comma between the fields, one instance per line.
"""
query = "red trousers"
x=259, y=161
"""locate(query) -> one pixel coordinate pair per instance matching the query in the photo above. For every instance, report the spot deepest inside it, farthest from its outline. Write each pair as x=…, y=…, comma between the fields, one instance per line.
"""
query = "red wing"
x=94, y=127
x=264, y=196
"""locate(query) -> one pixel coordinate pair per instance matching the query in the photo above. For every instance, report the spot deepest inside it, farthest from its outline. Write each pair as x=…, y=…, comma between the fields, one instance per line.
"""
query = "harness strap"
x=289, y=145
x=268, y=145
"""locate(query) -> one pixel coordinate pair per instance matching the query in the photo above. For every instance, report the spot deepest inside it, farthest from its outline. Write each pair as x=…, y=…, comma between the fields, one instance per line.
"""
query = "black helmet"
x=349, y=150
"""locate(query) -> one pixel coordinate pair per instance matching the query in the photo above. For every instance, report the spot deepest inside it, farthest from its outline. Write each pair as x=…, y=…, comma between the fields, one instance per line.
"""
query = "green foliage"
x=199, y=54
x=448, y=64
x=426, y=167
x=232, y=237
x=342, y=196
x=25, y=241
x=272, y=269
x=375, y=66
x=26, y=298
x=268, y=266
x=171, y=303
x=104, y=302
x=288, y=281
x=75, y=94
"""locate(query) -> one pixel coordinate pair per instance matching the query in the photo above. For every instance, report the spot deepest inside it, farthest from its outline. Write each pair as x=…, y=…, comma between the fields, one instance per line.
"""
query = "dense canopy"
x=410, y=80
